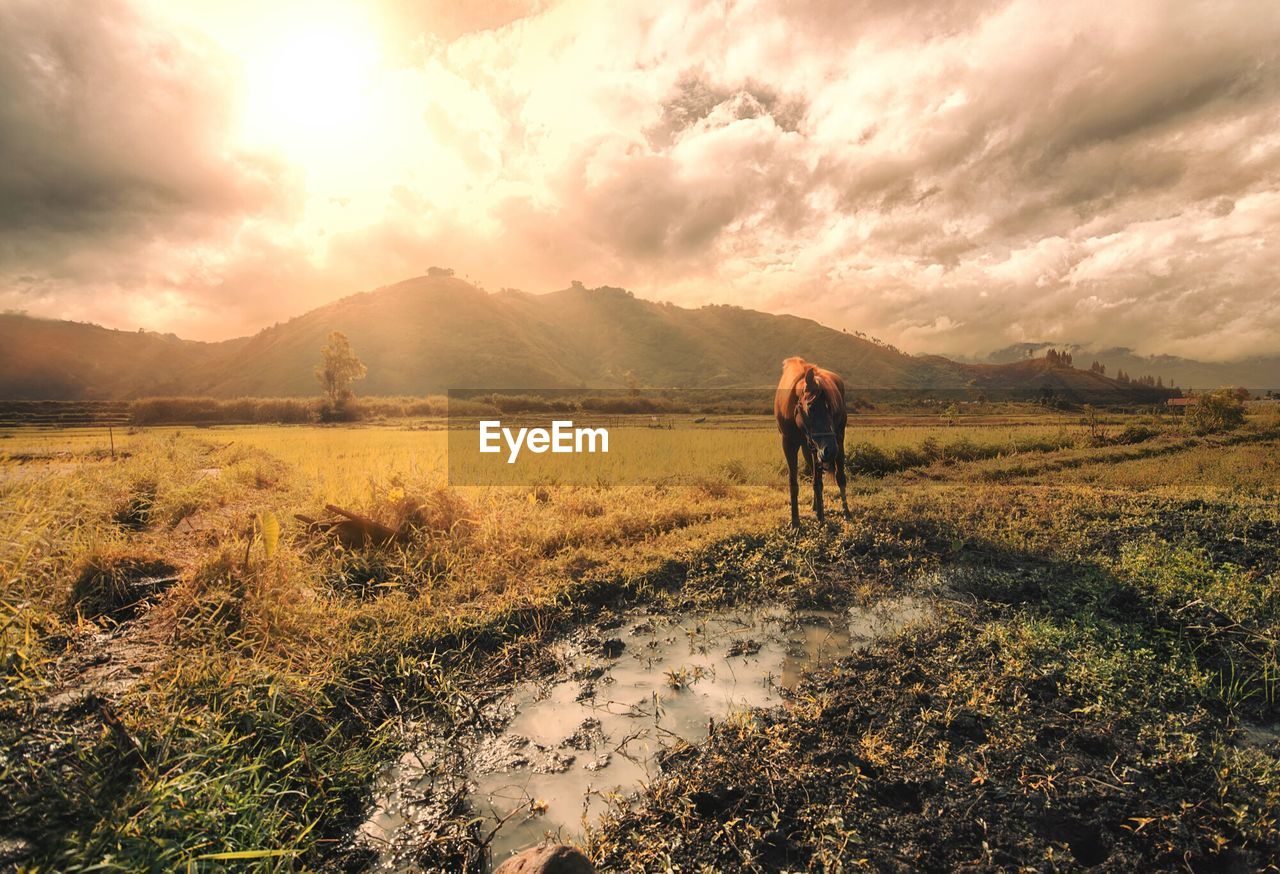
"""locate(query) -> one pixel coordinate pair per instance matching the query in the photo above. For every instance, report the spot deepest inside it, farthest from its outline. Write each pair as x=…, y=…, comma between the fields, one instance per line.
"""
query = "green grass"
x=275, y=687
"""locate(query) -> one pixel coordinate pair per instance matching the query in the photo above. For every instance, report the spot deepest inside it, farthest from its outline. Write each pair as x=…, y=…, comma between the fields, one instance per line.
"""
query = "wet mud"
x=558, y=751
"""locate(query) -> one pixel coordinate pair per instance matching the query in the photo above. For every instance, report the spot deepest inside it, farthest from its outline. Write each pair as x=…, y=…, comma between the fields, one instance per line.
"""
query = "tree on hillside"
x=633, y=382
x=338, y=369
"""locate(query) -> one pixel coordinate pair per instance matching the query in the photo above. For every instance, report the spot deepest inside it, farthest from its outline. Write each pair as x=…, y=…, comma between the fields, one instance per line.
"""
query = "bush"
x=1220, y=410
x=1043, y=443
x=964, y=449
x=906, y=457
x=867, y=459
x=1131, y=434
x=219, y=411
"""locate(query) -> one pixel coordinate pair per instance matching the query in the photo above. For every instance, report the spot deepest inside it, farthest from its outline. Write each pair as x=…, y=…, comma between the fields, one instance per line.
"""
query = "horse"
x=812, y=415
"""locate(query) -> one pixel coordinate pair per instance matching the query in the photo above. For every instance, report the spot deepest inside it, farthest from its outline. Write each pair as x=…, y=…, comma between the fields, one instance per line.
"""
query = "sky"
x=948, y=177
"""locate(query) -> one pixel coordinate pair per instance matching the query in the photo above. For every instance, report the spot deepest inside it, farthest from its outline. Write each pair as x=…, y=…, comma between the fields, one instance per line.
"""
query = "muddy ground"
x=1057, y=714
x=548, y=757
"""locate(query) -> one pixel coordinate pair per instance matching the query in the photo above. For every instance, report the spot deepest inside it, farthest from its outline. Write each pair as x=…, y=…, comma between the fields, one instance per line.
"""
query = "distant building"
x=1182, y=403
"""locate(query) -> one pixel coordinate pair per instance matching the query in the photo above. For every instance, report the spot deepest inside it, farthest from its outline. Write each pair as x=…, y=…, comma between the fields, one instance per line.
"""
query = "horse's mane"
x=795, y=369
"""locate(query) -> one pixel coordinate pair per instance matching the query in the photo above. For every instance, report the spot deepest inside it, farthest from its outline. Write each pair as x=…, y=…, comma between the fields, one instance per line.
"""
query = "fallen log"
x=352, y=529
x=376, y=529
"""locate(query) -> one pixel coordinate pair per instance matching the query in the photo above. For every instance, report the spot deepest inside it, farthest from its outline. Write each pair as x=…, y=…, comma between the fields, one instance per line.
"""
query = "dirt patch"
x=102, y=667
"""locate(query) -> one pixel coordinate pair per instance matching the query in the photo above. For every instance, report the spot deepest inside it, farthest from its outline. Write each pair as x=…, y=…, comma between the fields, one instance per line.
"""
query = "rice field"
x=348, y=463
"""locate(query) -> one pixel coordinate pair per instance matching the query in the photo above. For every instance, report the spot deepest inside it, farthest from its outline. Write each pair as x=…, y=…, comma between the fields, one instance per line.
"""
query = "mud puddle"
x=567, y=747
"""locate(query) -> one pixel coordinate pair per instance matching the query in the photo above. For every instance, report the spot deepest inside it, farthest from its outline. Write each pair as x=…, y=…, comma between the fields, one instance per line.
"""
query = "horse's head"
x=817, y=421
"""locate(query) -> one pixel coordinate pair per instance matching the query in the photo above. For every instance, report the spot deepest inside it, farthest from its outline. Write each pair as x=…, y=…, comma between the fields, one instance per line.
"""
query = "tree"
x=338, y=368
x=633, y=383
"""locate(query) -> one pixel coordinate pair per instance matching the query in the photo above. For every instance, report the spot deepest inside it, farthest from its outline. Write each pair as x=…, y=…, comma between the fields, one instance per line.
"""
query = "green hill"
x=434, y=333
x=45, y=359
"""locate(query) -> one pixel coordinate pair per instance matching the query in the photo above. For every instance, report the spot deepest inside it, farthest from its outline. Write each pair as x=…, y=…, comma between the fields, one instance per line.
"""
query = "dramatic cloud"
x=949, y=177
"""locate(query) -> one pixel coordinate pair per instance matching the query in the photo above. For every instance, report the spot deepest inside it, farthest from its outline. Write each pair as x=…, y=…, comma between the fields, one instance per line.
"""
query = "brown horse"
x=811, y=414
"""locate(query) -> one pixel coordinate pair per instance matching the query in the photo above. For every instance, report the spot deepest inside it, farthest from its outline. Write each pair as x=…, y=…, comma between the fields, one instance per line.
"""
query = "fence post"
x=111, y=435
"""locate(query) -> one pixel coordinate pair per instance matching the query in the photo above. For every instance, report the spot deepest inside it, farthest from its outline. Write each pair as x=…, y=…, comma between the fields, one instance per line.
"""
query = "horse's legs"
x=790, y=449
x=841, y=479
x=808, y=458
x=817, y=492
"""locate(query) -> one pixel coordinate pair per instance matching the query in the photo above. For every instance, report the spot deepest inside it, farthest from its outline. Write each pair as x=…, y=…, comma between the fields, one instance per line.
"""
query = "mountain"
x=44, y=359
x=1256, y=373
x=433, y=333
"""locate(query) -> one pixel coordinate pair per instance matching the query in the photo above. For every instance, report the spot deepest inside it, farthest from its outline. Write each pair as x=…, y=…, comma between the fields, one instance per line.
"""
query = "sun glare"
x=309, y=85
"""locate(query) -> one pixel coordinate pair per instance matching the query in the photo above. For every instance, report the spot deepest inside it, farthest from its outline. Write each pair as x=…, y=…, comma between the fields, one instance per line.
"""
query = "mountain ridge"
x=432, y=333
x=1258, y=372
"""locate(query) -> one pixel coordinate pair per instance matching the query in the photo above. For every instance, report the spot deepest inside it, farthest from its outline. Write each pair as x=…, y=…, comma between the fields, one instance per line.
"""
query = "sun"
x=309, y=85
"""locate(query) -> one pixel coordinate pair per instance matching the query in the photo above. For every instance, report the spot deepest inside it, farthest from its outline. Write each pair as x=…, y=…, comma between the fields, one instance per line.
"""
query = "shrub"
x=867, y=459
x=1220, y=410
x=229, y=411
x=906, y=457
x=964, y=449
x=1131, y=434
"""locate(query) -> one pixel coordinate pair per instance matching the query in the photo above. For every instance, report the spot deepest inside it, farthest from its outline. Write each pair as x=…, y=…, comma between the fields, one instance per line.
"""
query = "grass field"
x=350, y=463
x=191, y=680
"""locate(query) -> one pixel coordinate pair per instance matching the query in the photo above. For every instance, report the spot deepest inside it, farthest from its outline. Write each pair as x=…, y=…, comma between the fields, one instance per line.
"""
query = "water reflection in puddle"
x=578, y=742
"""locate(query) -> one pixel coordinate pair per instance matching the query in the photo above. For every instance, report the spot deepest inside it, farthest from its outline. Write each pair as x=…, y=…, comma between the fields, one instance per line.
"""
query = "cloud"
x=113, y=156
x=109, y=127
x=951, y=177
